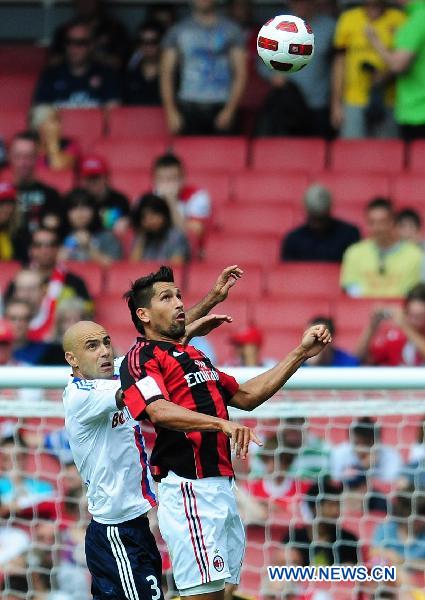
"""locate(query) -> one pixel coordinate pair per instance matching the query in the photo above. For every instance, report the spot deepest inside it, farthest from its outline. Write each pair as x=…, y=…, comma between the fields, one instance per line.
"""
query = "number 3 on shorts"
x=154, y=587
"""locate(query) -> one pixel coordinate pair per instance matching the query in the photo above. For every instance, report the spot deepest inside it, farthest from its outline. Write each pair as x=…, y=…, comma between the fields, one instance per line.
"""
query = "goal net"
x=338, y=482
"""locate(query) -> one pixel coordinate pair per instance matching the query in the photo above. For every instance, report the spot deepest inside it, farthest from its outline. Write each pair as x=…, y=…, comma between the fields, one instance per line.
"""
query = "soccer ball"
x=286, y=43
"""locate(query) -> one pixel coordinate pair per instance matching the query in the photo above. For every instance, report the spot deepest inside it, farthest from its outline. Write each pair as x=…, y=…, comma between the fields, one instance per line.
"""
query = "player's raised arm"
x=259, y=389
x=218, y=293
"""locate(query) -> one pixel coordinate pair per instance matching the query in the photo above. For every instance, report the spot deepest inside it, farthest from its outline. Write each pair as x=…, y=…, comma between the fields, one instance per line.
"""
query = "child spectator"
x=409, y=226
x=190, y=206
x=55, y=151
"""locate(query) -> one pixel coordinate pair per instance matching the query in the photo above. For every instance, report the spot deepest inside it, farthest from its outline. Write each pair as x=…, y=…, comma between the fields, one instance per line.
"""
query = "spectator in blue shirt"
x=331, y=356
x=78, y=81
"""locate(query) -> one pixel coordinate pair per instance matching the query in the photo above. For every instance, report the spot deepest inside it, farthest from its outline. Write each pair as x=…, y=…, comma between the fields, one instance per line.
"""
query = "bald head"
x=88, y=350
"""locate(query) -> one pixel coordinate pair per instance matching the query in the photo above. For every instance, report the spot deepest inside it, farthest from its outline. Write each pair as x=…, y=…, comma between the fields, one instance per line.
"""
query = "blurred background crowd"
x=169, y=142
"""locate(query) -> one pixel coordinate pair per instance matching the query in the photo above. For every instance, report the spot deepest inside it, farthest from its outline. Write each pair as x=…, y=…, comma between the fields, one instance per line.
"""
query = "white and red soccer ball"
x=286, y=43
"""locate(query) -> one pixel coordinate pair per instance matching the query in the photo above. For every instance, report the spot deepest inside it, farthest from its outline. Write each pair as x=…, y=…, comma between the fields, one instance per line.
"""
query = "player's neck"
x=159, y=337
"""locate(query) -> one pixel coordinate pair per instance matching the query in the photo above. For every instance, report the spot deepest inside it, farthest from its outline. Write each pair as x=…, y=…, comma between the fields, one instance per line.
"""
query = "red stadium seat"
x=8, y=270
x=272, y=218
x=91, y=273
x=408, y=189
x=133, y=183
x=417, y=156
x=289, y=314
x=242, y=250
x=85, y=125
x=289, y=154
x=62, y=181
x=255, y=187
x=277, y=344
x=124, y=335
x=313, y=280
x=217, y=184
x=359, y=188
x=111, y=309
x=137, y=121
x=12, y=121
x=16, y=91
x=201, y=278
x=212, y=153
x=130, y=154
x=237, y=308
x=121, y=273
x=22, y=58
x=367, y=156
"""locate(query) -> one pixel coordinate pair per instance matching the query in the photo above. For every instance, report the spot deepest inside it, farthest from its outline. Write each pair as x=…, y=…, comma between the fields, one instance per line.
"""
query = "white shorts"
x=200, y=523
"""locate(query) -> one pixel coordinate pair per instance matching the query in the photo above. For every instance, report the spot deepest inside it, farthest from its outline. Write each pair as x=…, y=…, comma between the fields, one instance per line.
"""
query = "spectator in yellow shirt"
x=362, y=89
x=382, y=265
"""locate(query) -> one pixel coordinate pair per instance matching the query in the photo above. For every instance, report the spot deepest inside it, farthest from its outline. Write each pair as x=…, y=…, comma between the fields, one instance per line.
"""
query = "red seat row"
x=124, y=130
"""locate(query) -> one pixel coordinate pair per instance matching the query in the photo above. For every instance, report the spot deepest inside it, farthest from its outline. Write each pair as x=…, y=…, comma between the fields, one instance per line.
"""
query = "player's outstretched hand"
x=227, y=279
x=205, y=325
x=240, y=436
x=315, y=338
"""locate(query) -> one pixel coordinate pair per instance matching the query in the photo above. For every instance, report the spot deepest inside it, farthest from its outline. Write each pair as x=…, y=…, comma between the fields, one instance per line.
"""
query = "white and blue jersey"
x=108, y=450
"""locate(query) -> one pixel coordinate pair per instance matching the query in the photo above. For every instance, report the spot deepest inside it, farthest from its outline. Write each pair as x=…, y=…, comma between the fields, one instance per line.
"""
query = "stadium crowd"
x=103, y=178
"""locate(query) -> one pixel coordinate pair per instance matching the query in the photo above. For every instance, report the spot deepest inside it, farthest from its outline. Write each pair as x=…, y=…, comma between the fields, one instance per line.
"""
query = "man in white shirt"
x=365, y=456
x=108, y=449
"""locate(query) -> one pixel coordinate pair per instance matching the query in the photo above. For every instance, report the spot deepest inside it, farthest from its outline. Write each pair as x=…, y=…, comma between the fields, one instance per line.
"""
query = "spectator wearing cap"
x=114, y=207
x=79, y=81
x=382, y=265
x=35, y=198
x=332, y=356
x=247, y=345
x=86, y=239
x=190, y=205
x=8, y=222
x=322, y=237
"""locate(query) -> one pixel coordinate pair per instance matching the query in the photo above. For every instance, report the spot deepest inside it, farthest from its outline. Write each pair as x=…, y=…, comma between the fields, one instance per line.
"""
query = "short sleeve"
x=342, y=32
x=411, y=35
x=379, y=535
x=229, y=384
x=199, y=205
x=92, y=400
x=171, y=38
x=149, y=388
x=237, y=39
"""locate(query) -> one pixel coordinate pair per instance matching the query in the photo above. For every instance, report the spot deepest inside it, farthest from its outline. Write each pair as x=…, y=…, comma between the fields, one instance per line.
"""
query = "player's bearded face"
x=166, y=312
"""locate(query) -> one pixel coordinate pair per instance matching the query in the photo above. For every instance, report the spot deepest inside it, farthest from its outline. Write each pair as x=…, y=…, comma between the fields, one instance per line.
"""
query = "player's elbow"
x=156, y=413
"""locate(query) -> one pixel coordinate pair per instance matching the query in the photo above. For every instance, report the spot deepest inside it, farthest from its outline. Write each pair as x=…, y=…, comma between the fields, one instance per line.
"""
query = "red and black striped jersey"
x=181, y=374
